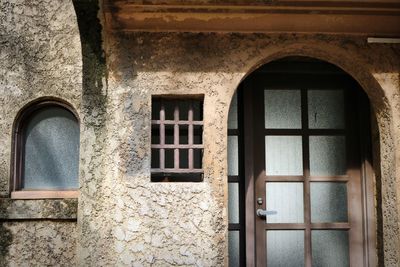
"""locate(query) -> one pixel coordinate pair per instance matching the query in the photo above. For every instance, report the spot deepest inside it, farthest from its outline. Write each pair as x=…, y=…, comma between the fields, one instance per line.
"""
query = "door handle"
x=263, y=213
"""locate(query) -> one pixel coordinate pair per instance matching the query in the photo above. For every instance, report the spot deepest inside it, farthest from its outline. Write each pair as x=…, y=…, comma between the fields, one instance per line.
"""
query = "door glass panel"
x=327, y=155
x=233, y=248
x=285, y=248
x=282, y=109
x=283, y=155
x=330, y=248
x=328, y=202
x=325, y=109
x=233, y=202
x=287, y=200
x=232, y=116
x=233, y=155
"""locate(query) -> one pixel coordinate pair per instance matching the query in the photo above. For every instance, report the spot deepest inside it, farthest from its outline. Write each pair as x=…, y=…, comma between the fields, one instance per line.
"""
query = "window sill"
x=195, y=177
x=44, y=194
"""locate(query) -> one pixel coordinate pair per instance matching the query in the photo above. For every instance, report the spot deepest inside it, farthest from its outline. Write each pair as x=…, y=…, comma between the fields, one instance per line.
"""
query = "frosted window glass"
x=330, y=248
x=287, y=200
x=233, y=202
x=283, y=155
x=327, y=155
x=233, y=116
x=328, y=202
x=51, y=150
x=285, y=248
x=233, y=155
x=282, y=109
x=233, y=248
x=325, y=109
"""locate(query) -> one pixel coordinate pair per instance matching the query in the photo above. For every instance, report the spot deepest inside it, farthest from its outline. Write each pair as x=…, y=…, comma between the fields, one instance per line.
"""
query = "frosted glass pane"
x=283, y=155
x=287, y=200
x=330, y=248
x=233, y=248
x=325, y=109
x=233, y=155
x=328, y=202
x=233, y=116
x=233, y=202
x=285, y=248
x=51, y=150
x=327, y=155
x=282, y=109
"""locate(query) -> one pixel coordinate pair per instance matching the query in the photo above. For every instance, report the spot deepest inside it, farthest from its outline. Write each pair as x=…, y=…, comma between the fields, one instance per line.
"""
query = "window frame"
x=177, y=174
x=18, y=150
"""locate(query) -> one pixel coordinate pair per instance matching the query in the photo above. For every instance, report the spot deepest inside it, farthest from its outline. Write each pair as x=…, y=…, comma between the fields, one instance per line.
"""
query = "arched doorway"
x=298, y=165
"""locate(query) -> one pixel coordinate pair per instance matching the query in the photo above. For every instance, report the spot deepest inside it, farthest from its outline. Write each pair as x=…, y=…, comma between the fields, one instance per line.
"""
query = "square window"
x=177, y=139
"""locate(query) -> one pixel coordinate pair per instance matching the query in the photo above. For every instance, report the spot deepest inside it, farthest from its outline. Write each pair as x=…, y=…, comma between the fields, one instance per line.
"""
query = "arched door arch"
x=297, y=133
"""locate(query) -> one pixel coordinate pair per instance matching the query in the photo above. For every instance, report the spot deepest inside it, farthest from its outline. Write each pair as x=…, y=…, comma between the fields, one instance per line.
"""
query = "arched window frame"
x=20, y=123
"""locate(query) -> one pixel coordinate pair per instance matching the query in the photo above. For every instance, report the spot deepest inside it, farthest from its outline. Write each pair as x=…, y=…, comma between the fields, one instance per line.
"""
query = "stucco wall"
x=123, y=218
x=160, y=224
x=37, y=243
x=40, y=56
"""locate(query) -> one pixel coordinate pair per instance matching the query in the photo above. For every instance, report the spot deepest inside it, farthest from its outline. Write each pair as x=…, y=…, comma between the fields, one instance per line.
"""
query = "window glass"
x=51, y=150
x=282, y=109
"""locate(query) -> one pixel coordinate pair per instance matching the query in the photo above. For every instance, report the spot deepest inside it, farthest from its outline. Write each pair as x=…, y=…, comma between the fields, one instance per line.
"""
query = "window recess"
x=46, y=152
x=177, y=139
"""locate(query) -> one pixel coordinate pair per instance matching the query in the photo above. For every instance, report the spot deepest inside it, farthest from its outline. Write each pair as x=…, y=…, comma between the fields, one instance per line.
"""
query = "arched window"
x=46, y=163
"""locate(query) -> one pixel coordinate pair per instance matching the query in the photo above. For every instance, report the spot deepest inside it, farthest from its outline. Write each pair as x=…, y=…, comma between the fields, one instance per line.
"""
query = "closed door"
x=302, y=190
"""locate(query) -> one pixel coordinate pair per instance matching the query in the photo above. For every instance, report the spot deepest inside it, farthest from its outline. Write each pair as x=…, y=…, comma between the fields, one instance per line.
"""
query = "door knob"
x=263, y=213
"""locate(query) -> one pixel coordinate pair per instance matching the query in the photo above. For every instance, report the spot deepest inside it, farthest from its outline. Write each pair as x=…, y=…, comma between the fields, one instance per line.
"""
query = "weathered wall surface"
x=37, y=243
x=123, y=218
x=40, y=56
x=161, y=224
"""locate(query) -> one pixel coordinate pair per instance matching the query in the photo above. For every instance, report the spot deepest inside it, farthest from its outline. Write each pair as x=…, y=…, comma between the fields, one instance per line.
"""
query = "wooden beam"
x=377, y=18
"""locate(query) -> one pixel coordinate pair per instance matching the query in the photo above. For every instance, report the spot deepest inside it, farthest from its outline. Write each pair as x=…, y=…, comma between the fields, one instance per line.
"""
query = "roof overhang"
x=362, y=17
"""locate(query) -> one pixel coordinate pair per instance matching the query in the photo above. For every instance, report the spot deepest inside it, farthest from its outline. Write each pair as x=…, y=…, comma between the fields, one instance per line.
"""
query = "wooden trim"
x=369, y=17
x=249, y=173
x=44, y=194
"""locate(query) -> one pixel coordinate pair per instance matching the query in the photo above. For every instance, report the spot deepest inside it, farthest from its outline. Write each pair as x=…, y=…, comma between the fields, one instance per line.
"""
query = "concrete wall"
x=123, y=218
x=185, y=223
x=40, y=56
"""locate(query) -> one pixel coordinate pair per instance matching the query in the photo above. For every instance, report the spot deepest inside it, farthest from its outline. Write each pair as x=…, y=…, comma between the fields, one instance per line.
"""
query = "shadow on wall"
x=93, y=120
x=5, y=243
x=94, y=62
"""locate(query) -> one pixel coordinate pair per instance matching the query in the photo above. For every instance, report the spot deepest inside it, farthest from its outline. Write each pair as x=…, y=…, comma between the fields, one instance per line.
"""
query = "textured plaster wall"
x=123, y=218
x=38, y=243
x=40, y=56
x=126, y=220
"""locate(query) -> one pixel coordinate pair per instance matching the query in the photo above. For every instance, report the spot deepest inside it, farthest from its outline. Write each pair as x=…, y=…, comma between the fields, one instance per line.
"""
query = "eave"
x=363, y=17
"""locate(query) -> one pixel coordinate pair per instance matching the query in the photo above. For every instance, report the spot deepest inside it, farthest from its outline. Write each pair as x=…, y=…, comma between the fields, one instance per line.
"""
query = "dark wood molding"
x=368, y=17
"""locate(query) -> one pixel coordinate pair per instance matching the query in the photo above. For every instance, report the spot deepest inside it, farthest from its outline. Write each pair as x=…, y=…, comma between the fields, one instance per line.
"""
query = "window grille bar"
x=178, y=162
x=180, y=122
x=180, y=146
x=162, y=136
x=176, y=136
x=190, y=137
x=173, y=170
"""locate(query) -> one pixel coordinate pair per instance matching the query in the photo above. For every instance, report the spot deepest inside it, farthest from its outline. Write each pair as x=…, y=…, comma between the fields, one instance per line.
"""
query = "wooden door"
x=302, y=167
